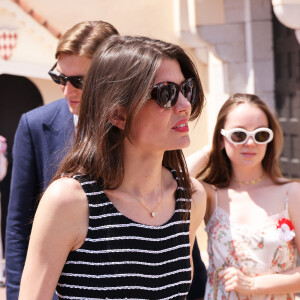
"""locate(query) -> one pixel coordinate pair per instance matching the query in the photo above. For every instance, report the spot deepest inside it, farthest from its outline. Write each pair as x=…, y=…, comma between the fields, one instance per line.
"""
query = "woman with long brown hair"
x=252, y=217
x=118, y=220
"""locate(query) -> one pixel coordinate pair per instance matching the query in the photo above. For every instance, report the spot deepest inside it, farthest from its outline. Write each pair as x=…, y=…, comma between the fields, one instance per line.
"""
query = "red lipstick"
x=182, y=126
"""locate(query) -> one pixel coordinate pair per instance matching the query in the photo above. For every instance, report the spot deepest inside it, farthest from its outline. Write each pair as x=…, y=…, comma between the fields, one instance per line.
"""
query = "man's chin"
x=74, y=109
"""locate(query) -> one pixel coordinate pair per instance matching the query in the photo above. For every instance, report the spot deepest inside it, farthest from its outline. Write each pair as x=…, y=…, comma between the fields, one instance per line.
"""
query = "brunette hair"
x=218, y=171
x=84, y=38
x=121, y=76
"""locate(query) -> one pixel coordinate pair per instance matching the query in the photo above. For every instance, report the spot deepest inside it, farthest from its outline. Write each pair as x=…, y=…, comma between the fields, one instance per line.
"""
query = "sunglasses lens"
x=188, y=90
x=238, y=136
x=167, y=95
x=57, y=79
x=262, y=136
x=77, y=82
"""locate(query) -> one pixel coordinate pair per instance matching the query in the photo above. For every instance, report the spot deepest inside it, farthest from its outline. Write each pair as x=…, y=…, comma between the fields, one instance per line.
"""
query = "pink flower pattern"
x=232, y=244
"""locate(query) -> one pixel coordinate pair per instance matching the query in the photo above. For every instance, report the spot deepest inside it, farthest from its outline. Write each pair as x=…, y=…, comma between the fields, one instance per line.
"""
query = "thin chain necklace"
x=252, y=181
x=152, y=212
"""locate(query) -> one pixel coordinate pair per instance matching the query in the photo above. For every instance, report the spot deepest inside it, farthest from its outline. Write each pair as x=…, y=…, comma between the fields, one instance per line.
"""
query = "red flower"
x=285, y=229
x=285, y=221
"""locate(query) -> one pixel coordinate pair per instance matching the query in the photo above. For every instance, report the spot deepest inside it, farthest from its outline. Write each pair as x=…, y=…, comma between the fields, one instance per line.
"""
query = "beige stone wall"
x=210, y=12
x=144, y=17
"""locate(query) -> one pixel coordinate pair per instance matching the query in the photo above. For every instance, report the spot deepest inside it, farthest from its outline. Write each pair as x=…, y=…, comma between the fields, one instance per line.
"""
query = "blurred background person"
x=252, y=217
x=41, y=140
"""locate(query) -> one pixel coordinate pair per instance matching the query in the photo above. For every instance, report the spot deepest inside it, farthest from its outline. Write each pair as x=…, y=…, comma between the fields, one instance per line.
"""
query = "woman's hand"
x=234, y=280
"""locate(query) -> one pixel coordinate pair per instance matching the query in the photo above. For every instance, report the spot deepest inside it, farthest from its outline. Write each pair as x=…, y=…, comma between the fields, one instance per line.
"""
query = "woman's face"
x=158, y=129
x=249, y=117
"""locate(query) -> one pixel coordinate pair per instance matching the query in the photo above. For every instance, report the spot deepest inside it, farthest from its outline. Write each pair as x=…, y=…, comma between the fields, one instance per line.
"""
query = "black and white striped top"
x=123, y=259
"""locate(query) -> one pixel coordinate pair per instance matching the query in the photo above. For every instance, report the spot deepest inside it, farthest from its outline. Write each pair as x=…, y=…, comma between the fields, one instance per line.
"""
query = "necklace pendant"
x=153, y=214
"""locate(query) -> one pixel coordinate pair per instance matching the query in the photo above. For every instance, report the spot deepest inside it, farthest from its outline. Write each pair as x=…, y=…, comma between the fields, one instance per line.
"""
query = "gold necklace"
x=252, y=181
x=152, y=212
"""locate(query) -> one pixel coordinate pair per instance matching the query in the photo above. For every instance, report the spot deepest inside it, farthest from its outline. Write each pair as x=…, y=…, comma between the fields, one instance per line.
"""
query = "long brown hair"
x=122, y=74
x=218, y=171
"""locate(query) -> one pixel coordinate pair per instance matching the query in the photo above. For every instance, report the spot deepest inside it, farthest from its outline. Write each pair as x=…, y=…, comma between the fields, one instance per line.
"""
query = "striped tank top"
x=123, y=259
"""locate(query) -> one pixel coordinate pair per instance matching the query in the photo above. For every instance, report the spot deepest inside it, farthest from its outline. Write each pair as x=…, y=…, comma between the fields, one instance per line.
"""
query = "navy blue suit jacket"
x=41, y=140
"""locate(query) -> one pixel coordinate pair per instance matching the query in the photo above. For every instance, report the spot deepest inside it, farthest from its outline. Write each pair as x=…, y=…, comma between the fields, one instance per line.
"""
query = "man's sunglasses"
x=76, y=81
x=166, y=93
x=240, y=136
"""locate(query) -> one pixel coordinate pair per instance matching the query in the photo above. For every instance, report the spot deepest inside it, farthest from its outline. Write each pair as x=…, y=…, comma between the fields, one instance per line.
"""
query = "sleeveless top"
x=254, y=251
x=123, y=259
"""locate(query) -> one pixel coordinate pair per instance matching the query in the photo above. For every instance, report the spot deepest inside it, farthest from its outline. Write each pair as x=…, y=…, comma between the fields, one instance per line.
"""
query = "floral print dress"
x=254, y=251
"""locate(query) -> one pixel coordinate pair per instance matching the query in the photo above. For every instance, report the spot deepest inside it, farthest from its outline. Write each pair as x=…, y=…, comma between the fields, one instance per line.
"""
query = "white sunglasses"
x=240, y=136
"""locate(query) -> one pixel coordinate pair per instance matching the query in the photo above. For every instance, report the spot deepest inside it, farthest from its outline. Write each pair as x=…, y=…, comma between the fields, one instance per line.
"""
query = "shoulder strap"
x=216, y=200
x=287, y=204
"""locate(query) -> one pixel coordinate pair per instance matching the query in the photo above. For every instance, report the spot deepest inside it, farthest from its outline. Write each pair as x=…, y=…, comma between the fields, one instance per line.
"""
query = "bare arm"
x=198, y=208
x=60, y=226
x=198, y=160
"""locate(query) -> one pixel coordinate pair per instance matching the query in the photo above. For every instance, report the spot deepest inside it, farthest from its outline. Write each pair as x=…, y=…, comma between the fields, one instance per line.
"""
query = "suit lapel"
x=59, y=133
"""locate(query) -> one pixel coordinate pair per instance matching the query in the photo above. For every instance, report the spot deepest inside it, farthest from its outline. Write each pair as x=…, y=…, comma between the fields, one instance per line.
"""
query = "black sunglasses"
x=166, y=93
x=76, y=81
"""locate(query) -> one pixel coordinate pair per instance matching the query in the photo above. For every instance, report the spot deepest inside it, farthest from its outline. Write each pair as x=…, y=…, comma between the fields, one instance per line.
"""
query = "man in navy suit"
x=42, y=139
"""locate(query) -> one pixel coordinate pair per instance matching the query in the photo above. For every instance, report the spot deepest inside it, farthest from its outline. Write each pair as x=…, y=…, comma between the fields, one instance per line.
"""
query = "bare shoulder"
x=64, y=192
x=198, y=205
x=199, y=194
x=62, y=215
x=294, y=193
x=294, y=186
x=198, y=198
x=210, y=191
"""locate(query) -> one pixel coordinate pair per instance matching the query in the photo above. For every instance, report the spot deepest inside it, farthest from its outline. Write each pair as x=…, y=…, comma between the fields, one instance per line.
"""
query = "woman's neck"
x=143, y=172
x=255, y=174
